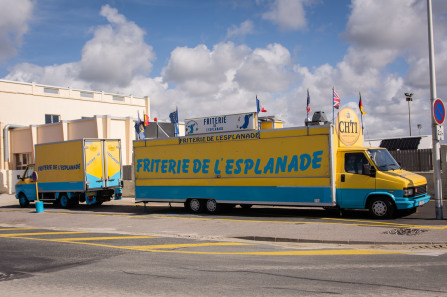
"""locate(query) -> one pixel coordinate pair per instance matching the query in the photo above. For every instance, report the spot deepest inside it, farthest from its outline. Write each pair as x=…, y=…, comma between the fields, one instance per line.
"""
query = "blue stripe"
x=62, y=186
x=246, y=194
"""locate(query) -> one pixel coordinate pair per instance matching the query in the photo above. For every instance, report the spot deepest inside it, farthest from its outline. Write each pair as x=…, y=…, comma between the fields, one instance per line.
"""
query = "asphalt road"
x=123, y=249
x=39, y=262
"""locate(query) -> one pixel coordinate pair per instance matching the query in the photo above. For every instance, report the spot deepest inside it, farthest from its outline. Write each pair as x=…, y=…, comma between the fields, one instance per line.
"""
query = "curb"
x=350, y=242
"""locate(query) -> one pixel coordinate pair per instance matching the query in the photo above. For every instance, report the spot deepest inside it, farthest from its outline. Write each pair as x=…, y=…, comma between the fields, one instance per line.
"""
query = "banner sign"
x=222, y=123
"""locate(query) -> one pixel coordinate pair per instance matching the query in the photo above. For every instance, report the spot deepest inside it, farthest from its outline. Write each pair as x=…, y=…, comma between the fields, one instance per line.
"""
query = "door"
x=113, y=162
x=94, y=164
x=354, y=184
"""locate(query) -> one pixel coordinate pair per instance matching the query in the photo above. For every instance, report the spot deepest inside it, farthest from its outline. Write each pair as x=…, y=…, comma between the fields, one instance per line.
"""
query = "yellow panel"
x=60, y=162
x=256, y=158
x=113, y=157
x=94, y=159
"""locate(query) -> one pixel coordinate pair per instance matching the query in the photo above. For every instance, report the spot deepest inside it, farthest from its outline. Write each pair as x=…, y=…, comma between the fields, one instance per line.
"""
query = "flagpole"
x=307, y=111
x=333, y=109
x=361, y=110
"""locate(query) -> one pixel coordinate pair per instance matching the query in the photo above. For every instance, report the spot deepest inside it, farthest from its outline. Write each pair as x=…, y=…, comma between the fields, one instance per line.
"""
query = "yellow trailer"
x=303, y=166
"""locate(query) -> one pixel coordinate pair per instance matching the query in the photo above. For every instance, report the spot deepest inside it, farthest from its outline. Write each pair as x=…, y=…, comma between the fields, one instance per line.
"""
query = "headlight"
x=408, y=192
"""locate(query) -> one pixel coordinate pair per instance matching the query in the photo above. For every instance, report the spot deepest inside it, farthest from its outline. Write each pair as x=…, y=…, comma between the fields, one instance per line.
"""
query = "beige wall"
x=27, y=104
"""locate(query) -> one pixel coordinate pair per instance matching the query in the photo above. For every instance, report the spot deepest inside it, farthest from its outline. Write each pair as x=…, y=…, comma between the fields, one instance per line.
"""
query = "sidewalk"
x=126, y=217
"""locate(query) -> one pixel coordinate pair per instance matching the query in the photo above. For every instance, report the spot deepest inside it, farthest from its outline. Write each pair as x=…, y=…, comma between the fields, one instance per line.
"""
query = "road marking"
x=43, y=233
x=289, y=253
x=347, y=222
x=74, y=239
x=167, y=248
x=184, y=245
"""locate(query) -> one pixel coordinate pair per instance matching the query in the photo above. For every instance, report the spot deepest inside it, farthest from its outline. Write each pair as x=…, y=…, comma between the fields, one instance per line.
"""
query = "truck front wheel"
x=381, y=208
x=23, y=201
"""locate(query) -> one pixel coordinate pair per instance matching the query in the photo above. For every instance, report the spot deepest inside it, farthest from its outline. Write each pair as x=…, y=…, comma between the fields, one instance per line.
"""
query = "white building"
x=32, y=113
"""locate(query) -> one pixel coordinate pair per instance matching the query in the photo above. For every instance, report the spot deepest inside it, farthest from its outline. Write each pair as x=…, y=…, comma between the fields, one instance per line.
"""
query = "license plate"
x=422, y=202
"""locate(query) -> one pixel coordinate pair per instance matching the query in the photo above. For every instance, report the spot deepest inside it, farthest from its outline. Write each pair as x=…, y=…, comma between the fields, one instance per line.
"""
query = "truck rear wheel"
x=23, y=201
x=194, y=205
x=212, y=206
x=64, y=202
x=381, y=208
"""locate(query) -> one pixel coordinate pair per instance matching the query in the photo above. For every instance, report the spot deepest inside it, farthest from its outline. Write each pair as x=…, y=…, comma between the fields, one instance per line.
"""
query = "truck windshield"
x=383, y=159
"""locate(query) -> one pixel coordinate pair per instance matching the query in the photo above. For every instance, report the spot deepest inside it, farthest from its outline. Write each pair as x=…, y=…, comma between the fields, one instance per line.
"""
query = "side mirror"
x=18, y=176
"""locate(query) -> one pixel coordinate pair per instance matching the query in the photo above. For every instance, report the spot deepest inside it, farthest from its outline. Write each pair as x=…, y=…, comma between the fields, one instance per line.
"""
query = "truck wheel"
x=23, y=201
x=381, y=208
x=212, y=206
x=194, y=205
x=64, y=202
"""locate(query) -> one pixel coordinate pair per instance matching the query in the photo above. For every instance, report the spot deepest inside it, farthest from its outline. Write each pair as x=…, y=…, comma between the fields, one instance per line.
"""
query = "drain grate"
x=405, y=231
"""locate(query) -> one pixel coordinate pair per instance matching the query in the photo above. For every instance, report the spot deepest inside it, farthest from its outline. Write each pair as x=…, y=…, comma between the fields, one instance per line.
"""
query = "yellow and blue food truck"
x=69, y=172
x=319, y=165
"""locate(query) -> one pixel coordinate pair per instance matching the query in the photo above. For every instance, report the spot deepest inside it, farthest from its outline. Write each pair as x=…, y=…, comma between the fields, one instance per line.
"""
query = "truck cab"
x=370, y=178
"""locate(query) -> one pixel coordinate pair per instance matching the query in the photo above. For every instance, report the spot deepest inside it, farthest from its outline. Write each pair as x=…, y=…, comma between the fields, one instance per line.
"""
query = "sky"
x=214, y=57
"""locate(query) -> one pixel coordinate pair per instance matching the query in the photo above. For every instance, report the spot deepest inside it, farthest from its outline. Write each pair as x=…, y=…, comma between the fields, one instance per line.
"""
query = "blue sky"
x=214, y=57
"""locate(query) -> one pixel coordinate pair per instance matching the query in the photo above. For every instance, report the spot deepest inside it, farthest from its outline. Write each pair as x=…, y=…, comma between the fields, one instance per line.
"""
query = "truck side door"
x=354, y=184
x=94, y=164
x=113, y=162
x=26, y=184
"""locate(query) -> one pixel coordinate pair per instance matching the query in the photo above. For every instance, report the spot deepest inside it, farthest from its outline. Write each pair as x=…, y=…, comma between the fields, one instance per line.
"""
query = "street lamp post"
x=408, y=98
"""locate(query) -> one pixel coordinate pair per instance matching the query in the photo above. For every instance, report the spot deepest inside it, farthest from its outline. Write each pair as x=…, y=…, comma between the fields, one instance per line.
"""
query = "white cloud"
x=287, y=14
x=117, y=53
x=244, y=29
x=14, y=17
x=110, y=60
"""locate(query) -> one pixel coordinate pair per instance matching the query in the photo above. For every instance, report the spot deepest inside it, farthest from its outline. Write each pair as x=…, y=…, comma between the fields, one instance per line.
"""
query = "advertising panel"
x=243, y=155
x=222, y=123
x=60, y=162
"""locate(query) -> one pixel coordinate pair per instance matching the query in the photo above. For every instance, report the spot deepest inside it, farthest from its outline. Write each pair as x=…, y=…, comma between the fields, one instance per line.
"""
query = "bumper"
x=407, y=203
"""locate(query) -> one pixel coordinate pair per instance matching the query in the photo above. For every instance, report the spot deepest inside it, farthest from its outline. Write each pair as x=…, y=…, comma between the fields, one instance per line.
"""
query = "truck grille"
x=420, y=190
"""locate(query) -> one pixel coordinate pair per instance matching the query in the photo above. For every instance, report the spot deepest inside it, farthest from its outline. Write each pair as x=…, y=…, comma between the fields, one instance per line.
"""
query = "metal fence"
x=414, y=160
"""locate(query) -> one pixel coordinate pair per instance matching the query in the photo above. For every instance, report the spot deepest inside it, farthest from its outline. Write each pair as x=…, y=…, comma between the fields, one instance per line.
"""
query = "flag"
x=146, y=120
x=336, y=99
x=139, y=127
x=259, y=106
x=361, y=105
x=173, y=116
x=308, y=103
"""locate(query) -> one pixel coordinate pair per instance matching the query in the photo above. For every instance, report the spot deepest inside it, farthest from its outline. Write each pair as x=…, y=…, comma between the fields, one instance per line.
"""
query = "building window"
x=21, y=160
x=52, y=118
x=118, y=98
x=86, y=94
x=51, y=90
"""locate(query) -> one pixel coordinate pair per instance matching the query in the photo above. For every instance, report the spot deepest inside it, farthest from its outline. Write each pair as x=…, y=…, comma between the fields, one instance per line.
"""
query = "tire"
x=64, y=202
x=381, y=208
x=246, y=206
x=194, y=205
x=212, y=206
x=23, y=201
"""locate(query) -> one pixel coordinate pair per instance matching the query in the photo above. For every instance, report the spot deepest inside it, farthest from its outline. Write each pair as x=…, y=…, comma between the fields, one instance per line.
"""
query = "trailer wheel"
x=381, y=208
x=23, y=201
x=212, y=206
x=64, y=202
x=194, y=205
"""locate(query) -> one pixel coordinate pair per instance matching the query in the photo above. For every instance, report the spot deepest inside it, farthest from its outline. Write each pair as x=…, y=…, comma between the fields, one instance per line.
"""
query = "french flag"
x=259, y=106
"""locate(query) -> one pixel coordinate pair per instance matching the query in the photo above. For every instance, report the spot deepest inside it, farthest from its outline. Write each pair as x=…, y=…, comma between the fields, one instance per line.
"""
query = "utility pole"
x=436, y=144
x=408, y=98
